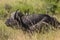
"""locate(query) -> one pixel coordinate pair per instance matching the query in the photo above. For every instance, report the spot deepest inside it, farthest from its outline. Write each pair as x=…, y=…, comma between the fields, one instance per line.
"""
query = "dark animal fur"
x=29, y=20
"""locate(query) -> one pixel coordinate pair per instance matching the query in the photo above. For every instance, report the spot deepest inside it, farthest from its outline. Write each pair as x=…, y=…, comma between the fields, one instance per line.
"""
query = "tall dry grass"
x=7, y=33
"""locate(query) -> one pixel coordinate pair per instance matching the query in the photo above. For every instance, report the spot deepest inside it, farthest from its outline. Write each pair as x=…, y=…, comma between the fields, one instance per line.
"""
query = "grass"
x=38, y=6
x=7, y=33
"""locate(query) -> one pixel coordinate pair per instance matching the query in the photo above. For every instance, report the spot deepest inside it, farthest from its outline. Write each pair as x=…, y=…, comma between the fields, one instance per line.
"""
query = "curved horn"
x=16, y=14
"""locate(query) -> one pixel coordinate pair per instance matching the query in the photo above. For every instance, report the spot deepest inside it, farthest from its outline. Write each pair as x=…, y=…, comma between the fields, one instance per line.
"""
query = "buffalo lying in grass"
x=27, y=21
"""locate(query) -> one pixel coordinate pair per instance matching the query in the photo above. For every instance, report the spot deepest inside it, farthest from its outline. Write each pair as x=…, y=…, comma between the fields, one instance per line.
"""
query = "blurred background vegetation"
x=34, y=6
x=51, y=7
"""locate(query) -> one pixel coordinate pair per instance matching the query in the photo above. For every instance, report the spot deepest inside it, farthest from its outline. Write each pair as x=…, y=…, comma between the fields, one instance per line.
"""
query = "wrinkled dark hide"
x=27, y=21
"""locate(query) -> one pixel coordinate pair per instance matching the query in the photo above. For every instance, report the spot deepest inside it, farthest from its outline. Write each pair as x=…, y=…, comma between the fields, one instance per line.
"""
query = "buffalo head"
x=14, y=17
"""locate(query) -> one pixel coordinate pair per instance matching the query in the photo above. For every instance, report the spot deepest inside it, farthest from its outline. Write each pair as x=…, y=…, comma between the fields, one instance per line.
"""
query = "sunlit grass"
x=7, y=33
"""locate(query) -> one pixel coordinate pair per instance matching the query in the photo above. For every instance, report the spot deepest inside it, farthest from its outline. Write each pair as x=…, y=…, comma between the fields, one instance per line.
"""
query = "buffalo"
x=27, y=21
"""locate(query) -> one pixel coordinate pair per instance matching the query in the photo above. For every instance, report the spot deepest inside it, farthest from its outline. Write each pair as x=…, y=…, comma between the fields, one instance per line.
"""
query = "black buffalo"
x=18, y=18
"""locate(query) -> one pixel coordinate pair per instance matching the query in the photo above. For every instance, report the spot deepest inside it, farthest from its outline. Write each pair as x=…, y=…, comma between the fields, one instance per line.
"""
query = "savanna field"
x=35, y=6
